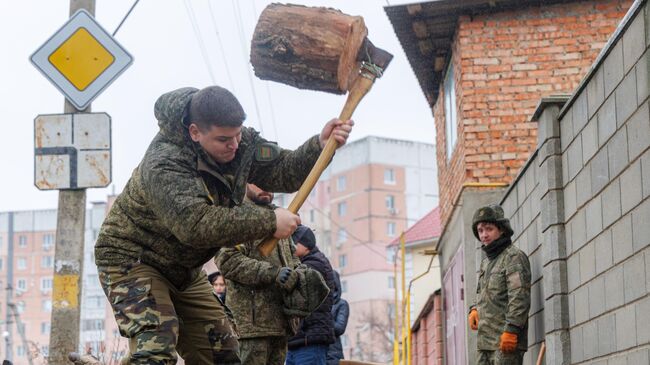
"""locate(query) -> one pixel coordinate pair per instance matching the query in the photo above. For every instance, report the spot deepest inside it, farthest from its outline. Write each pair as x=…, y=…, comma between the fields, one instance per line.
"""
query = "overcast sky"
x=163, y=41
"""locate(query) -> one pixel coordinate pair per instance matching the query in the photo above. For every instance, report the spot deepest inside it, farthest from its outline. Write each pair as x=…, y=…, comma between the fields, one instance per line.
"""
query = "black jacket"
x=318, y=327
x=340, y=313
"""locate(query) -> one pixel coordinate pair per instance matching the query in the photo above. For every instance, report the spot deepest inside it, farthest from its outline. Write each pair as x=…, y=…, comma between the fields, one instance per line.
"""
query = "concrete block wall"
x=589, y=239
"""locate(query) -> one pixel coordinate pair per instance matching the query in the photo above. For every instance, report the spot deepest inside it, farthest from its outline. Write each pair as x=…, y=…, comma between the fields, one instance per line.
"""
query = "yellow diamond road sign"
x=81, y=59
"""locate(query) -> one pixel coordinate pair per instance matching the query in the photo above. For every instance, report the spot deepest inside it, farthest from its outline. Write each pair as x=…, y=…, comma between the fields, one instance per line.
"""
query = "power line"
x=223, y=52
x=197, y=34
x=242, y=40
x=383, y=256
x=268, y=92
x=126, y=16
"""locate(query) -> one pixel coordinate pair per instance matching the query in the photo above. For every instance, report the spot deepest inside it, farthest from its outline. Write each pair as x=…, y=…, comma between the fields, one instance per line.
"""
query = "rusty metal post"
x=68, y=255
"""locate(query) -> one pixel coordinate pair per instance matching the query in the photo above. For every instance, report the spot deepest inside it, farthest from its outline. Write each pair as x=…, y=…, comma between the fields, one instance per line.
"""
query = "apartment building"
x=374, y=189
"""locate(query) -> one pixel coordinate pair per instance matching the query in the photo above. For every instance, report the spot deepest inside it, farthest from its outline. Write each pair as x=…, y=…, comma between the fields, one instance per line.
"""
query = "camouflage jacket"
x=503, y=298
x=179, y=206
x=253, y=296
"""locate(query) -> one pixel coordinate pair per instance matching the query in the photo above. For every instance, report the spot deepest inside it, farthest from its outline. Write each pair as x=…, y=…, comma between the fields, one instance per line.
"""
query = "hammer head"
x=314, y=48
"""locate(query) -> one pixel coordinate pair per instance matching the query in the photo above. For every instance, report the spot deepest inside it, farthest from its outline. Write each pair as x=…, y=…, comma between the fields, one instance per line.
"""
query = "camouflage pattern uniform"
x=502, y=294
x=256, y=300
x=175, y=213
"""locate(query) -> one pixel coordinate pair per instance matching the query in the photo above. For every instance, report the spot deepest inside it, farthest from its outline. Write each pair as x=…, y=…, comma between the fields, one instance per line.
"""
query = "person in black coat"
x=316, y=332
x=340, y=314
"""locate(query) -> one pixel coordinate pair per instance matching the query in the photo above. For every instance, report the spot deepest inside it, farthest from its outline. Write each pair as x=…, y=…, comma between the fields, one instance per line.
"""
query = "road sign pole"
x=68, y=256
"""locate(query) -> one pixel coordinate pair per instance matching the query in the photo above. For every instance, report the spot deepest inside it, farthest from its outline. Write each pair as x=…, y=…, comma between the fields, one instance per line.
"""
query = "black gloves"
x=287, y=278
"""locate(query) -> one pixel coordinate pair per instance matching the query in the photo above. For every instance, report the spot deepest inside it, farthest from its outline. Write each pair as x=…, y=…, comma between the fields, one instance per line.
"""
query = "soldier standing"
x=500, y=313
x=256, y=284
x=181, y=205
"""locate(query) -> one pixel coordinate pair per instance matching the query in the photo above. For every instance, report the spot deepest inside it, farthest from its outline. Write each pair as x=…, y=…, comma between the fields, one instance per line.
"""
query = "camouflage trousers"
x=263, y=350
x=160, y=321
x=500, y=358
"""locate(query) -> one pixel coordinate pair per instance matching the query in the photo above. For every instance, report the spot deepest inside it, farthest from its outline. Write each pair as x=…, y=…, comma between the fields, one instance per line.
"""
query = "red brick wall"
x=427, y=345
x=504, y=63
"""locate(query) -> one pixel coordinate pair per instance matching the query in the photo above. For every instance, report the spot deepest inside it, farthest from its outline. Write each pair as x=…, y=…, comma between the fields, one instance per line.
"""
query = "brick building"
x=483, y=67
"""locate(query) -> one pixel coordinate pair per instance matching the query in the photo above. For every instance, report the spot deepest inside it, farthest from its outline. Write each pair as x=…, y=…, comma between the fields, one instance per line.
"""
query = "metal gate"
x=454, y=299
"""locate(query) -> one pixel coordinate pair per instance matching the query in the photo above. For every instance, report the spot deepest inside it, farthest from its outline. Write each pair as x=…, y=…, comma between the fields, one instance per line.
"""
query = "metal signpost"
x=73, y=152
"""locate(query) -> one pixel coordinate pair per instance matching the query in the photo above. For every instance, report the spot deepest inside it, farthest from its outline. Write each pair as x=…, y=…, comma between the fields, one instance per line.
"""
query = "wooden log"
x=312, y=48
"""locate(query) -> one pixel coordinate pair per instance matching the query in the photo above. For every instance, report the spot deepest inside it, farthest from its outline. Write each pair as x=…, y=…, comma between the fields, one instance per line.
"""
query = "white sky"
x=160, y=36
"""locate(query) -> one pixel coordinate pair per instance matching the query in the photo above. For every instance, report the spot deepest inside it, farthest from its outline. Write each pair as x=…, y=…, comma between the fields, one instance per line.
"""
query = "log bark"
x=312, y=48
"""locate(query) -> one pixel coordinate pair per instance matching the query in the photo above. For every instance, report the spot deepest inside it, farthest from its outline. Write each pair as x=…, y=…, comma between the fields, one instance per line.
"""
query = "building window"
x=451, y=125
x=344, y=286
x=22, y=241
x=20, y=350
x=342, y=208
x=0, y=264
x=46, y=327
x=45, y=350
x=20, y=307
x=343, y=261
x=340, y=183
x=390, y=229
x=389, y=177
x=312, y=216
x=21, y=285
x=46, y=284
x=391, y=254
x=21, y=263
x=344, y=340
x=92, y=325
x=47, y=261
x=48, y=241
x=94, y=301
x=46, y=305
x=390, y=203
x=342, y=235
x=391, y=282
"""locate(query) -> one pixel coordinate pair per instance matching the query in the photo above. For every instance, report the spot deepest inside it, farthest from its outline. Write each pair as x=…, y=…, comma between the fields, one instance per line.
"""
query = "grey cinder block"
x=603, y=251
x=566, y=129
x=625, y=98
x=634, y=277
x=639, y=131
x=625, y=328
x=642, y=310
x=587, y=262
x=606, y=327
x=594, y=211
x=631, y=187
x=575, y=158
x=577, y=354
x=607, y=120
x=632, y=39
x=622, y=238
x=614, y=287
x=599, y=168
x=595, y=92
x=642, y=87
x=596, y=297
x=570, y=199
x=582, y=304
x=617, y=152
x=583, y=186
x=580, y=113
x=613, y=68
x=589, y=140
x=611, y=203
x=641, y=226
x=645, y=171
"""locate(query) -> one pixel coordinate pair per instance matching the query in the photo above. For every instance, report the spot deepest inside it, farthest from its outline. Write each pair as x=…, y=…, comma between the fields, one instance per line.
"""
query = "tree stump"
x=312, y=48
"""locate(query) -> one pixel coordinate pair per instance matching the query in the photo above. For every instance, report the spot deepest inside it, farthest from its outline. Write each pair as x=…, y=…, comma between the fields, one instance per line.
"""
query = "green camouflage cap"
x=492, y=213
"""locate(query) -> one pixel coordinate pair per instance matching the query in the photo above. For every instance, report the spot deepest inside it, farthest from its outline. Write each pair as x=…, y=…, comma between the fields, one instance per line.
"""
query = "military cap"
x=492, y=213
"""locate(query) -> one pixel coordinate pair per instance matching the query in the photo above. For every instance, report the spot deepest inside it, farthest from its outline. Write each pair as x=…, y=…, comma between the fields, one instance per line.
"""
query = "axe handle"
x=360, y=88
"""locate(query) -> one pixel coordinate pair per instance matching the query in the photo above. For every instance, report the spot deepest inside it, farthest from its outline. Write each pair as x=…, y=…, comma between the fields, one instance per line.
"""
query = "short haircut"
x=215, y=106
x=212, y=277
